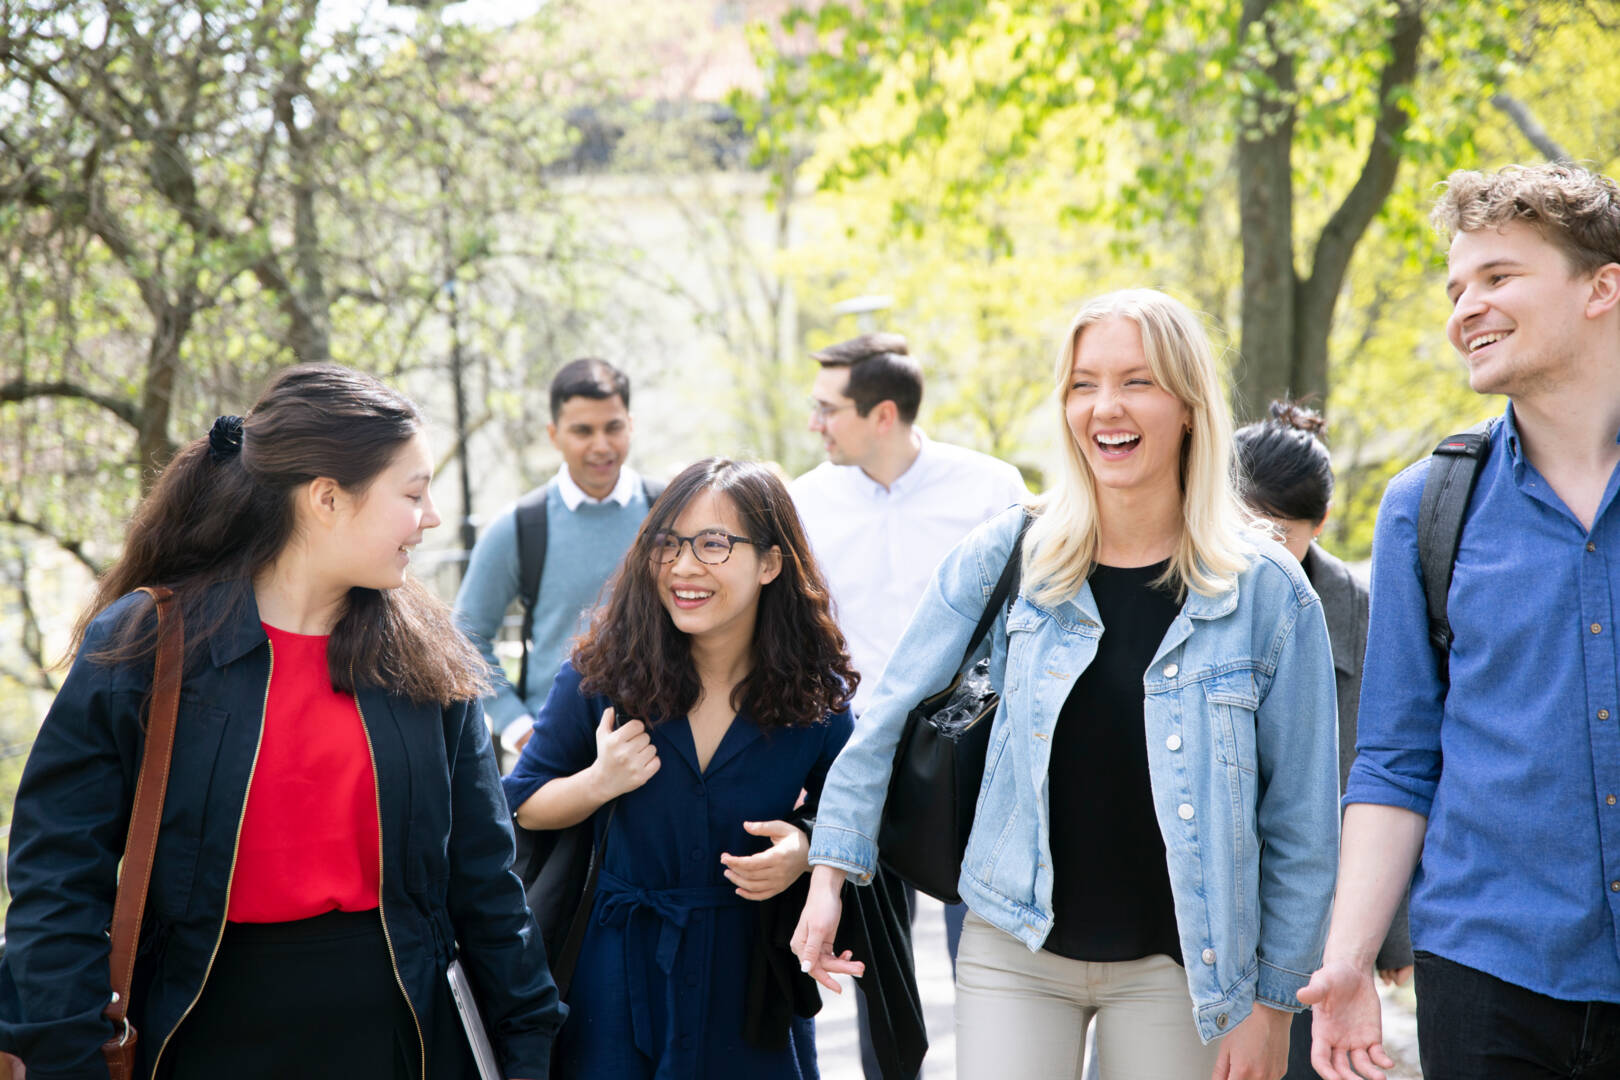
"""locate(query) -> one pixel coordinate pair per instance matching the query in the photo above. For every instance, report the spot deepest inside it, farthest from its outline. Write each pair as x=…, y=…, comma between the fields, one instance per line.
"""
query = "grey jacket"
x=1344, y=603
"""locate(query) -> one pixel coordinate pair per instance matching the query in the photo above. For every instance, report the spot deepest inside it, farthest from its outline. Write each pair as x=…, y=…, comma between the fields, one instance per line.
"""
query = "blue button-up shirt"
x=1517, y=766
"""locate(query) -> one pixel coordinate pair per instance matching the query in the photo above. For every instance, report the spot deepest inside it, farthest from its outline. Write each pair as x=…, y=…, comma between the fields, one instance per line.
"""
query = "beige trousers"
x=1022, y=1015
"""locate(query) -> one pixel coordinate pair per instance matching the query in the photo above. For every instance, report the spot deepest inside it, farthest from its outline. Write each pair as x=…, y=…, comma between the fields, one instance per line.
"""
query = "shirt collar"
x=1510, y=435
x=913, y=475
x=573, y=496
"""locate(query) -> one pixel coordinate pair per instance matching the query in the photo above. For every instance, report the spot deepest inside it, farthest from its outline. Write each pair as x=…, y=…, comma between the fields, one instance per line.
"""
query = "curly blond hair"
x=1577, y=210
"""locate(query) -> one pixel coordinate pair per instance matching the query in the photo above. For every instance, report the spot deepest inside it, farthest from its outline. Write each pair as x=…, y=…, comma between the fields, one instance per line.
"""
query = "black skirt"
x=316, y=998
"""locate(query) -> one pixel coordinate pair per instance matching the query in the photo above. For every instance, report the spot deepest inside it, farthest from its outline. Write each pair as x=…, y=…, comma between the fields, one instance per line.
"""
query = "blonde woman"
x=1155, y=835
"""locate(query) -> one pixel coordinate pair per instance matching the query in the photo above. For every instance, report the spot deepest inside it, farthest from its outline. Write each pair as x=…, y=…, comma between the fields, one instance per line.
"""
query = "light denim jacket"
x=1242, y=755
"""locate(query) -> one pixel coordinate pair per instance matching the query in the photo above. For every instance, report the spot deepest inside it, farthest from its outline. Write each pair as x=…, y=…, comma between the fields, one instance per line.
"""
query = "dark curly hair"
x=634, y=654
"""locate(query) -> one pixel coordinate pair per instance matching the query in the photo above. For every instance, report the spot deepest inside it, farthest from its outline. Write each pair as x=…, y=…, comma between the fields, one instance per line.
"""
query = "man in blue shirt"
x=594, y=508
x=1505, y=775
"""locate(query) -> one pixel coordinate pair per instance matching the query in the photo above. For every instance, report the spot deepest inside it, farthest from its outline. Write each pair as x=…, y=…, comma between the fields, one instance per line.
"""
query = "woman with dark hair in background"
x=1286, y=476
x=333, y=826
x=708, y=693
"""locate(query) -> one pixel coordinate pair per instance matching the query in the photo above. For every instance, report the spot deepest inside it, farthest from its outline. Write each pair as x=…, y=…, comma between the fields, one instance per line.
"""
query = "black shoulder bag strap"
x=1004, y=592
x=1453, y=472
x=532, y=529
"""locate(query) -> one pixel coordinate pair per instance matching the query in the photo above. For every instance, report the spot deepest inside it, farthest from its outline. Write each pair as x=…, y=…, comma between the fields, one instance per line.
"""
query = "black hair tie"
x=224, y=438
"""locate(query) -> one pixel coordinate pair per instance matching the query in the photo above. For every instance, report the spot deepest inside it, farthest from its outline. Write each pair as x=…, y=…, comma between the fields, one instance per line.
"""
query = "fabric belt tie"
x=618, y=902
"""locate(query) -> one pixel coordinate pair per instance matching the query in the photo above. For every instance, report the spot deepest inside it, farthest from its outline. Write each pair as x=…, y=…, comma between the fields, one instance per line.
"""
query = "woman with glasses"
x=1154, y=840
x=706, y=696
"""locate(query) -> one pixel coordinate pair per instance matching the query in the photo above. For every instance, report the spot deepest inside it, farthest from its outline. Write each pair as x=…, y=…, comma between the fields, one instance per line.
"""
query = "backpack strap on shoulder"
x=533, y=527
x=1447, y=488
x=532, y=532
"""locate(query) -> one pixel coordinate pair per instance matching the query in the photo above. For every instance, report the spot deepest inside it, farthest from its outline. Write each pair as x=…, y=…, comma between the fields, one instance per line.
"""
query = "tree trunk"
x=152, y=446
x=1318, y=295
x=1266, y=209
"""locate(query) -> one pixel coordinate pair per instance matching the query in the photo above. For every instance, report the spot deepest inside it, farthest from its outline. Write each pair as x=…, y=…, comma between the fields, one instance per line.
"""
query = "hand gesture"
x=818, y=925
x=762, y=876
x=625, y=757
x=1257, y=1049
x=1347, y=1026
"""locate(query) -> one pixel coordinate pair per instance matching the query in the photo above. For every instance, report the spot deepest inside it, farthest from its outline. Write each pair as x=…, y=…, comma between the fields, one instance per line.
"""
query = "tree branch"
x=19, y=390
x=1317, y=295
x=1362, y=203
x=1531, y=128
x=74, y=548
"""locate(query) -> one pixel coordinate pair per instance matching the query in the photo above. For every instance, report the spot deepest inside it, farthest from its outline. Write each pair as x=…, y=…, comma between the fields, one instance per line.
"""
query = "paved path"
x=840, y=1055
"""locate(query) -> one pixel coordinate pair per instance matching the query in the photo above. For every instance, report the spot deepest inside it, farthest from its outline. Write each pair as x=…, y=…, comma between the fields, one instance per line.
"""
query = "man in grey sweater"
x=593, y=508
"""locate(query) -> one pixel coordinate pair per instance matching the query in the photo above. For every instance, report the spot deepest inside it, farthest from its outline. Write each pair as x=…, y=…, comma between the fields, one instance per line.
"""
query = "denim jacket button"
x=1185, y=811
x=1173, y=742
x=1209, y=956
x=1170, y=671
x=1220, y=1021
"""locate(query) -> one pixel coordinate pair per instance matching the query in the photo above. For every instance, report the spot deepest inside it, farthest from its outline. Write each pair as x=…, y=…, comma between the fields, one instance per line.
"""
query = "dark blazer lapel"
x=1334, y=585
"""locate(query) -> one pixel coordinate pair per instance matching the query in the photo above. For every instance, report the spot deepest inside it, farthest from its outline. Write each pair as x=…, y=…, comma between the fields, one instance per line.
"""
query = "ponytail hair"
x=1284, y=469
x=223, y=510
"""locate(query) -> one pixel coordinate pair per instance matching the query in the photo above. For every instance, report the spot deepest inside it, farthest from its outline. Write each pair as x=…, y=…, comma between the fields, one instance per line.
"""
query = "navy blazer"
x=446, y=859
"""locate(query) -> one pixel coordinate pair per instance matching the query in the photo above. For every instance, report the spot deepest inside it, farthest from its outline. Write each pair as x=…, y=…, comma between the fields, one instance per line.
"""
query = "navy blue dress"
x=659, y=990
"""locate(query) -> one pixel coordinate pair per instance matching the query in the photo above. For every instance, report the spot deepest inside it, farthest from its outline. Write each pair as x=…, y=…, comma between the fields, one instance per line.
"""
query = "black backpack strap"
x=532, y=533
x=532, y=529
x=1453, y=472
x=1005, y=591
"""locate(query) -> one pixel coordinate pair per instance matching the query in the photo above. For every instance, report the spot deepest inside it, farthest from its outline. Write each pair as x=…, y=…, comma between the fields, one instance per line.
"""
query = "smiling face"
x=593, y=436
x=716, y=604
x=1129, y=428
x=374, y=532
x=1519, y=310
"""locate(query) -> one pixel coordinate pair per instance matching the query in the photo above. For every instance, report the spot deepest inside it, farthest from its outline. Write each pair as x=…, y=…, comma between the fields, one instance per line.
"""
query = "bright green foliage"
x=980, y=138
x=192, y=196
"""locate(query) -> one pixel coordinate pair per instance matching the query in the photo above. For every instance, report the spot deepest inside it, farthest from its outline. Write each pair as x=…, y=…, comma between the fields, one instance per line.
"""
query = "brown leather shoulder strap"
x=147, y=810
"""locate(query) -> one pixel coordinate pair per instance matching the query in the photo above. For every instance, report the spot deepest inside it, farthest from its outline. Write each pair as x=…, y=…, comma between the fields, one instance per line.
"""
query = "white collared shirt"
x=573, y=495
x=879, y=546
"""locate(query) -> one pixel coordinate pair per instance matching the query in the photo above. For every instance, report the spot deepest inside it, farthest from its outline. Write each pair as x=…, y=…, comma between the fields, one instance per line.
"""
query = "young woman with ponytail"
x=334, y=828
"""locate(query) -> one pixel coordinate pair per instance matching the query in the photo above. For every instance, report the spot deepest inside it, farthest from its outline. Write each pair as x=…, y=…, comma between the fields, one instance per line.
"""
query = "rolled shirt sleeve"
x=1402, y=695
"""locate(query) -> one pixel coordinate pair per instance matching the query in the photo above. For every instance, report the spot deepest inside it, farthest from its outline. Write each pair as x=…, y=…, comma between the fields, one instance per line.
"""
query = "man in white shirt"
x=884, y=509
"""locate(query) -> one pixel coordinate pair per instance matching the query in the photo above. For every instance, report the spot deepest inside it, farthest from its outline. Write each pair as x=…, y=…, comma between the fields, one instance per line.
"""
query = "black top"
x=1111, y=888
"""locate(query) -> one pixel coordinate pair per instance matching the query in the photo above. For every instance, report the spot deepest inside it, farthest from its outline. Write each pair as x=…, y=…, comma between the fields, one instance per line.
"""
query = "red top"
x=310, y=838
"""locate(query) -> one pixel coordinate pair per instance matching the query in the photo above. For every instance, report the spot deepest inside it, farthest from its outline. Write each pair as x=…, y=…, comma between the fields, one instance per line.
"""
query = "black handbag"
x=559, y=870
x=939, y=763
